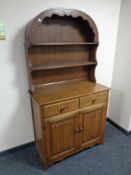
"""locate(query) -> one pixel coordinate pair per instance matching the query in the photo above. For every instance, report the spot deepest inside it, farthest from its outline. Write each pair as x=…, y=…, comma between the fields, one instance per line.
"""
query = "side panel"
x=37, y=127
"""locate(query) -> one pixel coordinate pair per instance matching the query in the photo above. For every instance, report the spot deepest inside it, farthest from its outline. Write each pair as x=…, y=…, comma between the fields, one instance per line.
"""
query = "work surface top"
x=52, y=93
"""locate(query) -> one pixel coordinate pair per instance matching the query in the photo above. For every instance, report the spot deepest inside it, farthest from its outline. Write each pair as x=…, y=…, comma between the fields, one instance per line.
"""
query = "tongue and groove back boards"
x=60, y=47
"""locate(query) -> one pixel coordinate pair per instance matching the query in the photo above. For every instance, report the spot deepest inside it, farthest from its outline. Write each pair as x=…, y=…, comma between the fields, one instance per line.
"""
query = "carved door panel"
x=61, y=136
x=91, y=125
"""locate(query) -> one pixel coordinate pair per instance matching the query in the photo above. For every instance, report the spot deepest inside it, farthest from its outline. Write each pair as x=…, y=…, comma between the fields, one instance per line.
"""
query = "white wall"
x=15, y=113
x=120, y=98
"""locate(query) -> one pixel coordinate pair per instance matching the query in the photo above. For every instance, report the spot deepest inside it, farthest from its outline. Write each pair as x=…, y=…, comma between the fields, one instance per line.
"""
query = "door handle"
x=77, y=130
x=80, y=129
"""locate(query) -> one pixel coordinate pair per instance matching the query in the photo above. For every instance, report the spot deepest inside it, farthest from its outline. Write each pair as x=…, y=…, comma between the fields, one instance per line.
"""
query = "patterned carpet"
x=111, y=158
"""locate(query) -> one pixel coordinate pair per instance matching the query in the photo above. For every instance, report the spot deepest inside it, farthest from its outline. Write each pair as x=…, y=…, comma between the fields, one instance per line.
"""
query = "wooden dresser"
x=69, y=107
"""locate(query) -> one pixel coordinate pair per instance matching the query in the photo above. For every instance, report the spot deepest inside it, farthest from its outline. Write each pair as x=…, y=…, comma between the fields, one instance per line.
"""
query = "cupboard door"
x=91, y=126
x=60, y=136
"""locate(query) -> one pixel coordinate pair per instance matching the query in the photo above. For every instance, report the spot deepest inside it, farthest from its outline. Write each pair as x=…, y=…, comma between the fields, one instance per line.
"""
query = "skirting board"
x=17, y=148
x=118, y=127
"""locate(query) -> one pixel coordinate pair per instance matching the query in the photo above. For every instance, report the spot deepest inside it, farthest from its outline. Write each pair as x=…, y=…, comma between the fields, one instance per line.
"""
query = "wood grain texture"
x=91, y=124
x=58, y=55
x=47, y=14
x=93, y=99
x=61, y=134
x=59, y=75
x=69, y=107
x=62, y=107
x=54, y=92
x=38, y=129
x=61, y=47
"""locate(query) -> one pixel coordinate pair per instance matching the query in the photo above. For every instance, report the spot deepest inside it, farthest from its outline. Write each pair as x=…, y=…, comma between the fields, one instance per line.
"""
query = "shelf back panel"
x=59, y=75
x=57, y=29
x=54, y=55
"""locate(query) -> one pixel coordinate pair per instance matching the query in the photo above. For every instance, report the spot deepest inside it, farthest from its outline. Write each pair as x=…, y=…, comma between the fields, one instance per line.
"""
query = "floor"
x=111, y=158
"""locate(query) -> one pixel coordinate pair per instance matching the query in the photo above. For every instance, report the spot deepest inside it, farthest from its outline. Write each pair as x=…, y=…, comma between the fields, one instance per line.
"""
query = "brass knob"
x=77, y=130
x=80, y=129
x=93, y=101
x=62, y=110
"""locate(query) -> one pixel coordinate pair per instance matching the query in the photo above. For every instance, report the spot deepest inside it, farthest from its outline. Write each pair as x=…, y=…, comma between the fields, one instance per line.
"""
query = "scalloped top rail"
x=54, y=17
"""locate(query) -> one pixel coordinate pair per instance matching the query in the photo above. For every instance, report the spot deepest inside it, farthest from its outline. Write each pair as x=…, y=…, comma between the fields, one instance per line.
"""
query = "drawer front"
x=101, y=97
x=62, y=107
x=93, y=99
x=50, y=110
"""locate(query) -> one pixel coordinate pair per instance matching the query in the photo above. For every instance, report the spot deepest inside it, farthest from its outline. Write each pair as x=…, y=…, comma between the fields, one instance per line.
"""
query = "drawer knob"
x=77, y=130
x=62, y=110
x=93, y=101
x=80, y=129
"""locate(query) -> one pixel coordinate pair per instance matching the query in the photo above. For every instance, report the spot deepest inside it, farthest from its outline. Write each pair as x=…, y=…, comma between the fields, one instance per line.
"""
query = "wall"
x=15, y=114
x=120, y=98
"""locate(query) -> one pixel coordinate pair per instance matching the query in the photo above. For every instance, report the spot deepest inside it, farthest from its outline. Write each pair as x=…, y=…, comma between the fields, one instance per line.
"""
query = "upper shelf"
x=62, y=44
x=45, y=67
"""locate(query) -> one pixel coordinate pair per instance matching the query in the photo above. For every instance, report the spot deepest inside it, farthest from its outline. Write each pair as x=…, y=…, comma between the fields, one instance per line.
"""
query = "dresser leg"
x=45, y=165
x=102, y=141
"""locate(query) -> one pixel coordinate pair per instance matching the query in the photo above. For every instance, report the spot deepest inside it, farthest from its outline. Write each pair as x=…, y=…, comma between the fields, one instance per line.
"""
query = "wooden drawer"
x=93, y=99
x=61, y=107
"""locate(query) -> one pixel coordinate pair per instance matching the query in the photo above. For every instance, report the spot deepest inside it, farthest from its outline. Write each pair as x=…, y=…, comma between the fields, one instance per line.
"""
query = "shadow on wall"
x=115, y=105
x=20, y=127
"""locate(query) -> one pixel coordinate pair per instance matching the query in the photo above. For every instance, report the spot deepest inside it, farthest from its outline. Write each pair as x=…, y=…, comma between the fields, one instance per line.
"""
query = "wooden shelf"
x=58, y=66
x=62, y=44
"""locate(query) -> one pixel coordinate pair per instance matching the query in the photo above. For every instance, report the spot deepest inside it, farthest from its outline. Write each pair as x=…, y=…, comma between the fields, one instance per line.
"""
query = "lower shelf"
x=58, y=66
